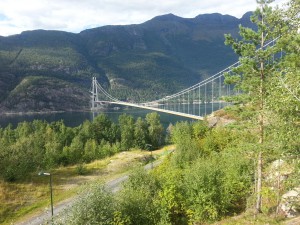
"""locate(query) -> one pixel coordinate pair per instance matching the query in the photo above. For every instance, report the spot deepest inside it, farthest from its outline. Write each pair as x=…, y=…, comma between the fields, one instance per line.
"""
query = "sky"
x=77, y=15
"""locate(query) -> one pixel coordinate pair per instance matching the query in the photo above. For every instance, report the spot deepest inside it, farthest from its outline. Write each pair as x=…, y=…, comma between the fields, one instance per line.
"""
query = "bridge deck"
x=153, y=109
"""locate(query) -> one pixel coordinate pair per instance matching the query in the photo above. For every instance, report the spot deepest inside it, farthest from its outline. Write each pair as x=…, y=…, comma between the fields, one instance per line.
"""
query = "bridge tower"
x=94, y=92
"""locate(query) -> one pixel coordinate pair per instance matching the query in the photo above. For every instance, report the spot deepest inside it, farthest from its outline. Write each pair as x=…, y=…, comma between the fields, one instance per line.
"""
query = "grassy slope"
x=24, y=199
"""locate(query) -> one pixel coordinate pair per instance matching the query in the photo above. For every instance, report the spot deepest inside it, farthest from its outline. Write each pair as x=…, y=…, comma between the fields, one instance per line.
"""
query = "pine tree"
x=257, y=51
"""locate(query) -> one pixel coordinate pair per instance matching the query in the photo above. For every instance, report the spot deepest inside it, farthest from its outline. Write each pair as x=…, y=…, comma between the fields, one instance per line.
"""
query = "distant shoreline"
x=38, y=112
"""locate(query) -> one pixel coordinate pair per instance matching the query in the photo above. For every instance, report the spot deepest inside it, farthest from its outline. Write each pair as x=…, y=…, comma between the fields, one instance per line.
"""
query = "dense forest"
x=38, y=145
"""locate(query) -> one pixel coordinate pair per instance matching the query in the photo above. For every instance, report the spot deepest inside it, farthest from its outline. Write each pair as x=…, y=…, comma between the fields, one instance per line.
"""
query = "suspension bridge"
x=194, y=102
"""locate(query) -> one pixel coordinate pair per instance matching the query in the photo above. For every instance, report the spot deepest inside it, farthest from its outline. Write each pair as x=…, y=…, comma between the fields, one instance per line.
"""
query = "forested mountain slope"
x=51, y=70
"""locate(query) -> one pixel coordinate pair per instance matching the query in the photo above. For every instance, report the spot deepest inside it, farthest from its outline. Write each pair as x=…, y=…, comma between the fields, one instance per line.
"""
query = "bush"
x=94, y=206
x=217, y=185
x=81, y=169
x=135, y=200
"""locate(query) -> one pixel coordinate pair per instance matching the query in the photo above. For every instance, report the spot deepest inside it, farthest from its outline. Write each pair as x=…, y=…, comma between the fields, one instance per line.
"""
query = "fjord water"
x=74, y=119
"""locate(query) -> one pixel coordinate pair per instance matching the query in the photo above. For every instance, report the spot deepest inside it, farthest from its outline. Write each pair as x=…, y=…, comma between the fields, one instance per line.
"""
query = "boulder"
x=290, y=203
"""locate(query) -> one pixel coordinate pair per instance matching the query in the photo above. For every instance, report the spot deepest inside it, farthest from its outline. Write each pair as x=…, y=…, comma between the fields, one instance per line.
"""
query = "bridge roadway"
x=153, y=109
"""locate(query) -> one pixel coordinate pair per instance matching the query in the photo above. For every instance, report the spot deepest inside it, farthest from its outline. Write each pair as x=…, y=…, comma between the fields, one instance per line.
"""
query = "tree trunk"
x=261, y=140
x=259, y=179
x=261, y=129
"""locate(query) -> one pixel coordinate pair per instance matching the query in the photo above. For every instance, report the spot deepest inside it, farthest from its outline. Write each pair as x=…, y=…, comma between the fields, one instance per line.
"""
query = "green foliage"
x=269, y=75
x=205, y=191
x=294, y=179
x=283, y=97
x=210, y=186
x=135, y=200
x=214, y=183
x=155, y=129
x=217, y=186
x=187, y=148
x=219, y=139
x=94, y=206
x=141, y=135
x=181, y=131
x=126, y=123
x=90, y=150
x=81, y=169
x=249, y=74
x=39, y=145
x=200, y=129
x=170, y=198
x=101, y=128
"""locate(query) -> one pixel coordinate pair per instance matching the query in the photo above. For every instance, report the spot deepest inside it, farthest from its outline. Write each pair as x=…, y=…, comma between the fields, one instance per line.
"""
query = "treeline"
x=209, y=176
x=38, y=145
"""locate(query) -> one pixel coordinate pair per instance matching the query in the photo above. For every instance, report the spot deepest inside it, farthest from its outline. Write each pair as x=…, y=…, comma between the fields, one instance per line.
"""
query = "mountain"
x=45, y=70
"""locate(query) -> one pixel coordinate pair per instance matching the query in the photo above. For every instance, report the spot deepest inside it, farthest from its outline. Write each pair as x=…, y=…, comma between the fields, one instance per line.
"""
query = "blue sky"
x=77, y=15
x=3, y=17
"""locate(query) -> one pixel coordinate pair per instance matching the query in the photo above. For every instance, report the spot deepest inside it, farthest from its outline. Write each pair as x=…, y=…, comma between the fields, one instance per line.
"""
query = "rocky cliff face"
x=45, y=94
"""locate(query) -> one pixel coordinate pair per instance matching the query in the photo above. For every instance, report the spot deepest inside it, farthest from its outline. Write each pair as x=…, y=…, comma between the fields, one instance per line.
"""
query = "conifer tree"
x=257, y=51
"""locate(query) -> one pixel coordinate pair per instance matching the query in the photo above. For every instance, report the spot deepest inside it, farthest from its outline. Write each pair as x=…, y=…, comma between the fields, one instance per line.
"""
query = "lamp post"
x=51, y=197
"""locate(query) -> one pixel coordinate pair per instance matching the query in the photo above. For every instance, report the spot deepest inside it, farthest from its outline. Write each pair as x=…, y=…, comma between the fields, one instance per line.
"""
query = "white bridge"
x=194, y=102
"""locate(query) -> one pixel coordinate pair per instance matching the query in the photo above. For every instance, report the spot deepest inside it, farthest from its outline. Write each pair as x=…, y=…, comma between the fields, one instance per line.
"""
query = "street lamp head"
x=149, y=147
x=43, y=174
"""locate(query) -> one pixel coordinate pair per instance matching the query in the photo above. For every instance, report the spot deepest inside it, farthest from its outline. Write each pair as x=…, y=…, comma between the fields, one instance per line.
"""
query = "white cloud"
x=76, y=15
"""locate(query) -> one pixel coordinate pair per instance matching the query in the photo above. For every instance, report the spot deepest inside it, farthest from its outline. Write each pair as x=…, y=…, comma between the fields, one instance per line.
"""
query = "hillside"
x=51, y=70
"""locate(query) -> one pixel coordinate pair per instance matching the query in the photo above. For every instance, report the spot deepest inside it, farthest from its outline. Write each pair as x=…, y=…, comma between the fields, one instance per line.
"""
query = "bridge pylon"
x=94, y=94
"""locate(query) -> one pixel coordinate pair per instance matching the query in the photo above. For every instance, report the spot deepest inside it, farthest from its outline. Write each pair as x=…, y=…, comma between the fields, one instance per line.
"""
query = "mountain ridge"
x=135, y=62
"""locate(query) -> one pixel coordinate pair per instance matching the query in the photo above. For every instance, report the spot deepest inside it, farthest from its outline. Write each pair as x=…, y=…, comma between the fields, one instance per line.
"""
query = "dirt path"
x=294, y=221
